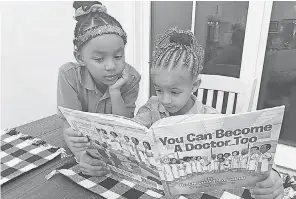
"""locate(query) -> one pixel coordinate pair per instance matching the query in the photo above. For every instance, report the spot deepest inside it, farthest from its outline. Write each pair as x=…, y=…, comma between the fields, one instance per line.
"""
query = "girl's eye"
x=99, y=59
x=157, y=91
x=118, y=57
x=175, y=92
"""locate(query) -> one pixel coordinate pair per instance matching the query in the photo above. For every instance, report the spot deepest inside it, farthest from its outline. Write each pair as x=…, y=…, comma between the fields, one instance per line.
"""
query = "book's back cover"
x=123, y=145
x=217, y=153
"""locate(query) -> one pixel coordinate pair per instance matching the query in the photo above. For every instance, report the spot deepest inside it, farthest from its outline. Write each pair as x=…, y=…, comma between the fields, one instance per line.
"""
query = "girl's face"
x=254, y=150
x=173, y=89
x=263, y=149
x=166, y=160
x=244, y=151
x=145, y=145
x=104, y=58
x=126, y=139
x=134, y=141
x=198, y=158
x=174, y=161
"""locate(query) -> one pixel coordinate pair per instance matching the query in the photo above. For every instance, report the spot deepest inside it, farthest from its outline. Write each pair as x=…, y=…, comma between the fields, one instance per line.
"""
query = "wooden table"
x=33, y=183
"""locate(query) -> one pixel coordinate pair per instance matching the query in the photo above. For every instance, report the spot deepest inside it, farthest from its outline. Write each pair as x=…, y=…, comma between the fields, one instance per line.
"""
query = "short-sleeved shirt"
x=77, y=90
x=153, y=111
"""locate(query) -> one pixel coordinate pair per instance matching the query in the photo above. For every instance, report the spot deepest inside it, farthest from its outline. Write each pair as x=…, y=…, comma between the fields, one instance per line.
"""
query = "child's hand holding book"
x=271, y=187
x=76, y=141
x=92, y=166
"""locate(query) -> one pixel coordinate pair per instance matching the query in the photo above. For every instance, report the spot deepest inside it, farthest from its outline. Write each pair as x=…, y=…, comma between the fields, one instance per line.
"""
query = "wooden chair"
x=226, y=94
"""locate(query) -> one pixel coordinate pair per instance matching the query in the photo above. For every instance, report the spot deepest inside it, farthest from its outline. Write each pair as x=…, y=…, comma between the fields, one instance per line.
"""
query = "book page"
x=105, y=118
x=184, y=118
x=218, y=153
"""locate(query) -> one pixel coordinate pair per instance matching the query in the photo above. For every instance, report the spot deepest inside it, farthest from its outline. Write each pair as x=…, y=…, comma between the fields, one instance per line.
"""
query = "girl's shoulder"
x=70, y=72
x=152, y=104
x=132, y=71
x=67, y=67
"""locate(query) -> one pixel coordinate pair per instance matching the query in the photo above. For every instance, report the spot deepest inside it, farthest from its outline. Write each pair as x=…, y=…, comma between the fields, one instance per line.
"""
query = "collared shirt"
x=153, y=111
x=77, y=90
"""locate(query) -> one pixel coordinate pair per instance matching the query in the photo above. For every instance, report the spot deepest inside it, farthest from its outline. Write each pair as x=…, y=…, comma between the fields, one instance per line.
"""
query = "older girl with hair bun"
x=100, y=81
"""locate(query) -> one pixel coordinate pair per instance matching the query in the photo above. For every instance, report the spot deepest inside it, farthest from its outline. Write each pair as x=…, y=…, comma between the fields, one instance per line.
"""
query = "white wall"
x=36, y=41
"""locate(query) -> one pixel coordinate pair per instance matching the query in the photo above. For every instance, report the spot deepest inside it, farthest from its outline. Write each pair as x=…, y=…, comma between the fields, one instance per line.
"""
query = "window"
x=219, y=27
x=278, y=82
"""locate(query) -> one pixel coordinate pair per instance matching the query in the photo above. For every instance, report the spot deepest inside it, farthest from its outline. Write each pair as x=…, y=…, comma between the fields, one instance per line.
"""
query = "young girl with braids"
x=101, y=81
x=176, y=63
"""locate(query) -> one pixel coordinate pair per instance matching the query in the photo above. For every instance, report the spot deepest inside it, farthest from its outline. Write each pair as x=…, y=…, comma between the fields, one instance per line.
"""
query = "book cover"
x=182, y=155
x=217, y=153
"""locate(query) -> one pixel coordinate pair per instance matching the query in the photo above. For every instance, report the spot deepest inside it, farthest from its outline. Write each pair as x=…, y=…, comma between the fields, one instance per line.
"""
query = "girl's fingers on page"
x=97, y=162
x=262, y=191
x=268, y=182
x=84, y=171
x=91, y=168
x=98, y=173
x=72, y=133
x=273, y=194
x=101, y=173
x=79, y=139
x=281, y=196
x=80, y=146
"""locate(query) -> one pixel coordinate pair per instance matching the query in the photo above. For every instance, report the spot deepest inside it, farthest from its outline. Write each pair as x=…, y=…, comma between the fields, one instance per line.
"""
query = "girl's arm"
x=125, y=103
x=67, y=97
x=118, y=105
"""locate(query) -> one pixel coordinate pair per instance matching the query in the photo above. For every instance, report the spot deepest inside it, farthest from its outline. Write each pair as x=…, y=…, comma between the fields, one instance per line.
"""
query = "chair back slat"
x=219, y=103
x=230, y=103
x=210, y=96
x=223, y=93
x=200, y=93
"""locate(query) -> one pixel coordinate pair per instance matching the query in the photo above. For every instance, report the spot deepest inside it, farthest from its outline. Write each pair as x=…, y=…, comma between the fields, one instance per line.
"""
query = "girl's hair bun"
x=181, y=38
x=84, y=4
x=83, y=8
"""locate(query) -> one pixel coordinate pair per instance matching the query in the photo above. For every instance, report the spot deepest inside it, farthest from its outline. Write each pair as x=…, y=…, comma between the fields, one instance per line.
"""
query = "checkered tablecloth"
x=21, y=153
x=111, y=187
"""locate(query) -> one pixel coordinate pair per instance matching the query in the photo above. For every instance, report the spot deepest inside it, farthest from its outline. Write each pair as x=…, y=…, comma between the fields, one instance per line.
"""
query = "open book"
x=184, y=154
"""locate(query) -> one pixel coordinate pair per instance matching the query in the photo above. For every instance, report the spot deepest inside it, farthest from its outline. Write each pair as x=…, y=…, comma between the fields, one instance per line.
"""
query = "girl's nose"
x=166, y=99
x=110, y=65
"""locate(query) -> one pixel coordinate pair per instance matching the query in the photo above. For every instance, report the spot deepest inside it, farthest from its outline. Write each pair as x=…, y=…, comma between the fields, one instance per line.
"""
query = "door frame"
x=142, y=21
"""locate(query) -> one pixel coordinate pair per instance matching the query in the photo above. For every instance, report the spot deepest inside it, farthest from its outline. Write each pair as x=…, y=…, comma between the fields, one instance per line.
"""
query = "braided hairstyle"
x=178, y=48
x=91, y=15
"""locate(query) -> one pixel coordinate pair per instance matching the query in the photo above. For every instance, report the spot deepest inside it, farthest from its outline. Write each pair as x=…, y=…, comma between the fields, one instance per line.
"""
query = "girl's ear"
x=196, y=85
x=78, y=58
